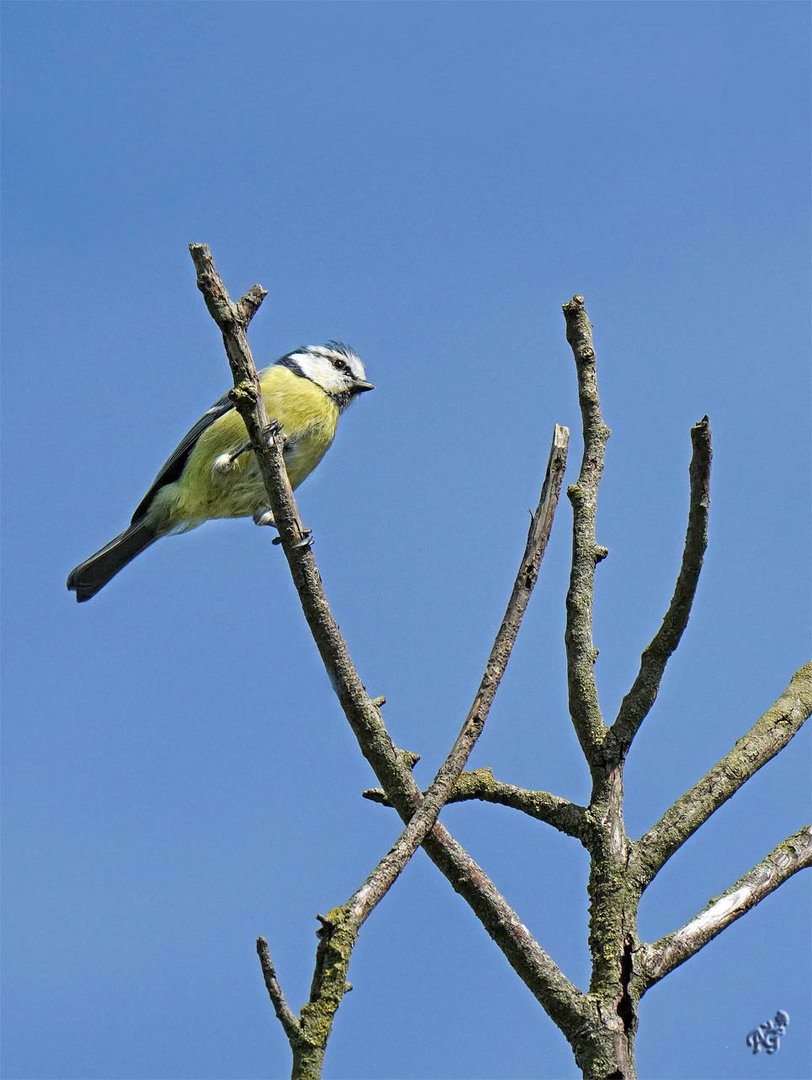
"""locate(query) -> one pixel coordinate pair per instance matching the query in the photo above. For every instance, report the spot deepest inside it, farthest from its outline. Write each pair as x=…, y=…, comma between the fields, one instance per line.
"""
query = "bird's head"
x=336, y=368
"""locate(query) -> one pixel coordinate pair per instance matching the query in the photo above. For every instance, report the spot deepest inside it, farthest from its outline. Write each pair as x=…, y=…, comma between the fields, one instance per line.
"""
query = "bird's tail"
x=93, y=574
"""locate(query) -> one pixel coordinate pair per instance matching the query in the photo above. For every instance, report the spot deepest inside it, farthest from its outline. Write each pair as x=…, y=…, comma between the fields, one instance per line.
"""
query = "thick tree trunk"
x=606, y=1049
x=607, y=1054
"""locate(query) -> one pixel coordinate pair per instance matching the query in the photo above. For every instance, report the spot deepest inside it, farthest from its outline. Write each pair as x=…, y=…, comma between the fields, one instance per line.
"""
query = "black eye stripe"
x=340, y=357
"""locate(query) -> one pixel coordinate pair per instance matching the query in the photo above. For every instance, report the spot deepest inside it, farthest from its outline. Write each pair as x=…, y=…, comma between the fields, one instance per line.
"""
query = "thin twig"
x=581, y=653
x=283, y=1011
x=438, y=791
x=653, y=962
x=481, y=784
x=643, y=693
x=769, y=735
x=233, y=319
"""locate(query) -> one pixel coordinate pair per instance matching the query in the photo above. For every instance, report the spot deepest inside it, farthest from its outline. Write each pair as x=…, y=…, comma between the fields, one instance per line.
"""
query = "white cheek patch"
x=322, y=372
x=316, y=364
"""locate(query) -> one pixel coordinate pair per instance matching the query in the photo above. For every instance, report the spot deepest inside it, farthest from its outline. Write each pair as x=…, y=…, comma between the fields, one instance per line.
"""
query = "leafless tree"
x=601, y=1022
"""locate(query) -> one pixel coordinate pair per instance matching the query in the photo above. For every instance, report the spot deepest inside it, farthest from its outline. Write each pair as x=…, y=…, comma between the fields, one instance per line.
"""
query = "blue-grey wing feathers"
x=172, y=468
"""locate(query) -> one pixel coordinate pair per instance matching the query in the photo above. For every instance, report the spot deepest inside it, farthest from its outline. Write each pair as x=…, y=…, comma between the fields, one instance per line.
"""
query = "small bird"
x=212, y=474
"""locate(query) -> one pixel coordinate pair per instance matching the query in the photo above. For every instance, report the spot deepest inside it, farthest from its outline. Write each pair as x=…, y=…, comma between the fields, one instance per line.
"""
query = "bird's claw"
x=307, y=540
x=272, y=428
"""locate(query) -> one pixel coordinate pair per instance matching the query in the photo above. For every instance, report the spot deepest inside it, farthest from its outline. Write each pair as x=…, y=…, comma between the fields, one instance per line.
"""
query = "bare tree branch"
x=557, y=995
x=770, y=734
x=581, y=653
x=437, y=794
x=481, y=784
x=233, y=319
x=643, y=693
x=653, y=962
x=363, y=715
x=526, y=577
x=340, y=929
x=283, y=1011
x=560, y=999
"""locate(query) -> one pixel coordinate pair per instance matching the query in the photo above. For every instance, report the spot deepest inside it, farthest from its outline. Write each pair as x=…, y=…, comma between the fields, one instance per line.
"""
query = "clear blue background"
x=428, y=182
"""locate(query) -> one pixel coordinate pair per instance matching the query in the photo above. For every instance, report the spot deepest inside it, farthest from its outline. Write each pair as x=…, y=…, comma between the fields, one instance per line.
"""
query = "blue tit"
x=211, y=476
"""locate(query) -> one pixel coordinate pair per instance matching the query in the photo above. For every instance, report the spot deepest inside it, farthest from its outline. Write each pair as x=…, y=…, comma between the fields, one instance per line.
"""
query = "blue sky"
x=428, y=182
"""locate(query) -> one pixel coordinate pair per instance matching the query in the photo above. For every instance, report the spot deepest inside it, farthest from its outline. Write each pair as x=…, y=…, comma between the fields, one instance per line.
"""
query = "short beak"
x=359, y=386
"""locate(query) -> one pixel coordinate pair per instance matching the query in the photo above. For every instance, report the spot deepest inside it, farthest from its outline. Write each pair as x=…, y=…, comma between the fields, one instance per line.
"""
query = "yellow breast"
x=307, y=415
x=308, y=418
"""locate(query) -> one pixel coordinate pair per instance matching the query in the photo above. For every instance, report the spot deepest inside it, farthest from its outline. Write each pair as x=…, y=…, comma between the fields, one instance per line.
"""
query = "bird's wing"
x=173, y=467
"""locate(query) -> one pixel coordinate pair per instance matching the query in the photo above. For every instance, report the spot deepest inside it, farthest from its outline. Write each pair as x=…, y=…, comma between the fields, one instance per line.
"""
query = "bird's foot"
x=272, y=428
x=307, y=540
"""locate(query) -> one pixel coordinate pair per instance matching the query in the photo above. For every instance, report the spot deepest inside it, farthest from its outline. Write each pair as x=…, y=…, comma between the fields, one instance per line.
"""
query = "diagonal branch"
x=557, y=995
x=583, y=494
x=566, y=816
x=539, y=533
x=283, y=1011
x=561, y=1000
x=769, y=735
x=654, y=962
x=643, y=693
x=424, y=817
x=420, y=813
x=340, y=929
